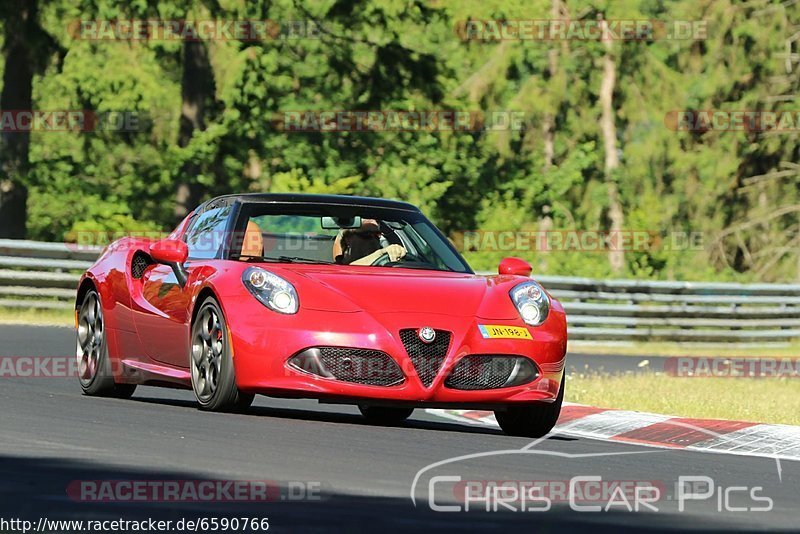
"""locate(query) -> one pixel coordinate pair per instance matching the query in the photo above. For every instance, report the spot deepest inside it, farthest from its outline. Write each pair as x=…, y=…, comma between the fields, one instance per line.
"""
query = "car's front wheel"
x=531, y=420
x=382, y=415
x=94, y=367
x=213, y=377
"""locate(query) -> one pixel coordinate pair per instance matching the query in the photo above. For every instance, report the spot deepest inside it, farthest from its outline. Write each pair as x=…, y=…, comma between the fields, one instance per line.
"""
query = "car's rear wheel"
x=94, y=367
x=383, y=415
x=213, y=376
x=531, y=420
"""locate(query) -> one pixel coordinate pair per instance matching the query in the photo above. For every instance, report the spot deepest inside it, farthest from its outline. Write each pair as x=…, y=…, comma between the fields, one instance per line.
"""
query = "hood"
x=393, y=290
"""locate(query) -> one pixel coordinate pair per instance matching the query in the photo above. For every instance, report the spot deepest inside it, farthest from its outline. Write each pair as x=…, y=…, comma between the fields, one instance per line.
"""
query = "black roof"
x=303, y=198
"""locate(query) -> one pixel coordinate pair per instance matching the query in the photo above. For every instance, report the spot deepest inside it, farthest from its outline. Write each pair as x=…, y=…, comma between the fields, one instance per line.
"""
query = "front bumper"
x=264, y=341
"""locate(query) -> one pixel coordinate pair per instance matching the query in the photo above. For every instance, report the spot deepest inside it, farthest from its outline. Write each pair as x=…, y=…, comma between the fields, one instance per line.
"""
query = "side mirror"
x=516, y=266
x=172, y=252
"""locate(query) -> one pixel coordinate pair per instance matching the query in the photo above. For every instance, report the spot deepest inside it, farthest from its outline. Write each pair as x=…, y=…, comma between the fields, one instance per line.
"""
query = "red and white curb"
x=664, y=431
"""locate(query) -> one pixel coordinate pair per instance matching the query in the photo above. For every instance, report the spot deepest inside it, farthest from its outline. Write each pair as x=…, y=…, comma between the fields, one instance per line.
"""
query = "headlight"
x=271, y=290
x=531, y=301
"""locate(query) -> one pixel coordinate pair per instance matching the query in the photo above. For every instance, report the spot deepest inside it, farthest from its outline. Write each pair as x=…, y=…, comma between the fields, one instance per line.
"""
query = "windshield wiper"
x=298, y=259
x=280, y=259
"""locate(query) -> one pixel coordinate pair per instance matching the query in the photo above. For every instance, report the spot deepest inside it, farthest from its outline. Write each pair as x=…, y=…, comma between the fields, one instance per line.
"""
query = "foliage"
x=737, y=190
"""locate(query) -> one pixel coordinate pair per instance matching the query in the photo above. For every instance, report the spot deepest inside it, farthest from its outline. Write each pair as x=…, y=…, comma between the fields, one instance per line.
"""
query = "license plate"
x=499, y=331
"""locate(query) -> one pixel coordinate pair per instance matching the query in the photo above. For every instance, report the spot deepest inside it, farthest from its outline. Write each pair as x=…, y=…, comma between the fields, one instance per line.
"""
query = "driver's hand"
x=395, y=252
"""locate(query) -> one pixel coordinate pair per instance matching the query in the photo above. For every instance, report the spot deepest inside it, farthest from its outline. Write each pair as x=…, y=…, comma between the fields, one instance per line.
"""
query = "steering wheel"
x=384, y=261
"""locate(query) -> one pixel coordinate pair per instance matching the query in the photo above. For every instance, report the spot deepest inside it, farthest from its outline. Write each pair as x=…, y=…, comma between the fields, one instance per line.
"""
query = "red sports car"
x=342, y=299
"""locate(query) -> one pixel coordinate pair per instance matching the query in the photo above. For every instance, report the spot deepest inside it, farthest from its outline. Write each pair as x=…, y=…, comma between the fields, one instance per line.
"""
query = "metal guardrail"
x=44, y=275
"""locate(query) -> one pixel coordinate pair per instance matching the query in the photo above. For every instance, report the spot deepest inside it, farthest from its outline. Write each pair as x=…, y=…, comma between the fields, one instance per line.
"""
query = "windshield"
x=342, y=235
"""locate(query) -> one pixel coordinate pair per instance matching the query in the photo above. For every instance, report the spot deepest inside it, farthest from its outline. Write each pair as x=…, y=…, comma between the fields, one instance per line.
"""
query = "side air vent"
x=139, y=263
x=360, y=366
x=491, y=371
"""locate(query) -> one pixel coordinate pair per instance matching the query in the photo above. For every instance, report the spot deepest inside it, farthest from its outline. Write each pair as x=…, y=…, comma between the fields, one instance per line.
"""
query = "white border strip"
x=762, y=440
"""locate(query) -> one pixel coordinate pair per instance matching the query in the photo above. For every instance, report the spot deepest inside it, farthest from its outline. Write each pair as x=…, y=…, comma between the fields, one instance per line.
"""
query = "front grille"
x=362, y=366
x=139, y=263
x=426, y=357
x=485, y=371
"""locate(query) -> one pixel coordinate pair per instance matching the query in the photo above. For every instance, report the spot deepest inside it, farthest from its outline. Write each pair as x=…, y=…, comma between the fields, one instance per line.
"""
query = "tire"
x=94, y=367
x=531, y=420
x=381, y=415
x=211, y=364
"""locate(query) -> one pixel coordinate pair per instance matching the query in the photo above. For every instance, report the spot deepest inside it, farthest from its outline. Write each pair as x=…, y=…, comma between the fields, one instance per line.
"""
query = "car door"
x=163, y=325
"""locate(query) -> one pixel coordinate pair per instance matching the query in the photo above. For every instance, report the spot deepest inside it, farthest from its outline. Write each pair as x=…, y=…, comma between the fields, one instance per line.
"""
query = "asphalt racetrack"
x=334, y=471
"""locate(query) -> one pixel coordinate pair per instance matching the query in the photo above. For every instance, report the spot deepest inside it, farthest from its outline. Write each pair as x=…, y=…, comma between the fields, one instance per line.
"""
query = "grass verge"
x=38, y=317
x=761, y=400
x=685, y=349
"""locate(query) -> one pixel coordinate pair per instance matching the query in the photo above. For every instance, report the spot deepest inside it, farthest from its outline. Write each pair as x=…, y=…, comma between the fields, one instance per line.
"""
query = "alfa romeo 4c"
x=342, y=299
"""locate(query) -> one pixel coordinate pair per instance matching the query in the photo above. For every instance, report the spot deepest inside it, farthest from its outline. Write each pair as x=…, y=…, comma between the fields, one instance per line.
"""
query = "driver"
x=362, y=246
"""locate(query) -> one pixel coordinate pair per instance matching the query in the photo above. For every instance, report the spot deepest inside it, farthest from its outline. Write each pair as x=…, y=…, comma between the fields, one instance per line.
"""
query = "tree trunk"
x=16, y=95
x=197, y=85
x=549, y=131
x=548, y=124
x=616, y=255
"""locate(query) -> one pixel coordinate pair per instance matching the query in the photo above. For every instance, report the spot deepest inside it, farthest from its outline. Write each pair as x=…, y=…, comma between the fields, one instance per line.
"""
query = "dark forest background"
x=595, y=153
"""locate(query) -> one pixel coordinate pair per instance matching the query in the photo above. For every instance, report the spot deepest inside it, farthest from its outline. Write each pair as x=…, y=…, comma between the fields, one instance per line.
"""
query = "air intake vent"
x=139, y=263
x=361, y=366
x=491, y=371
x=426, y=357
